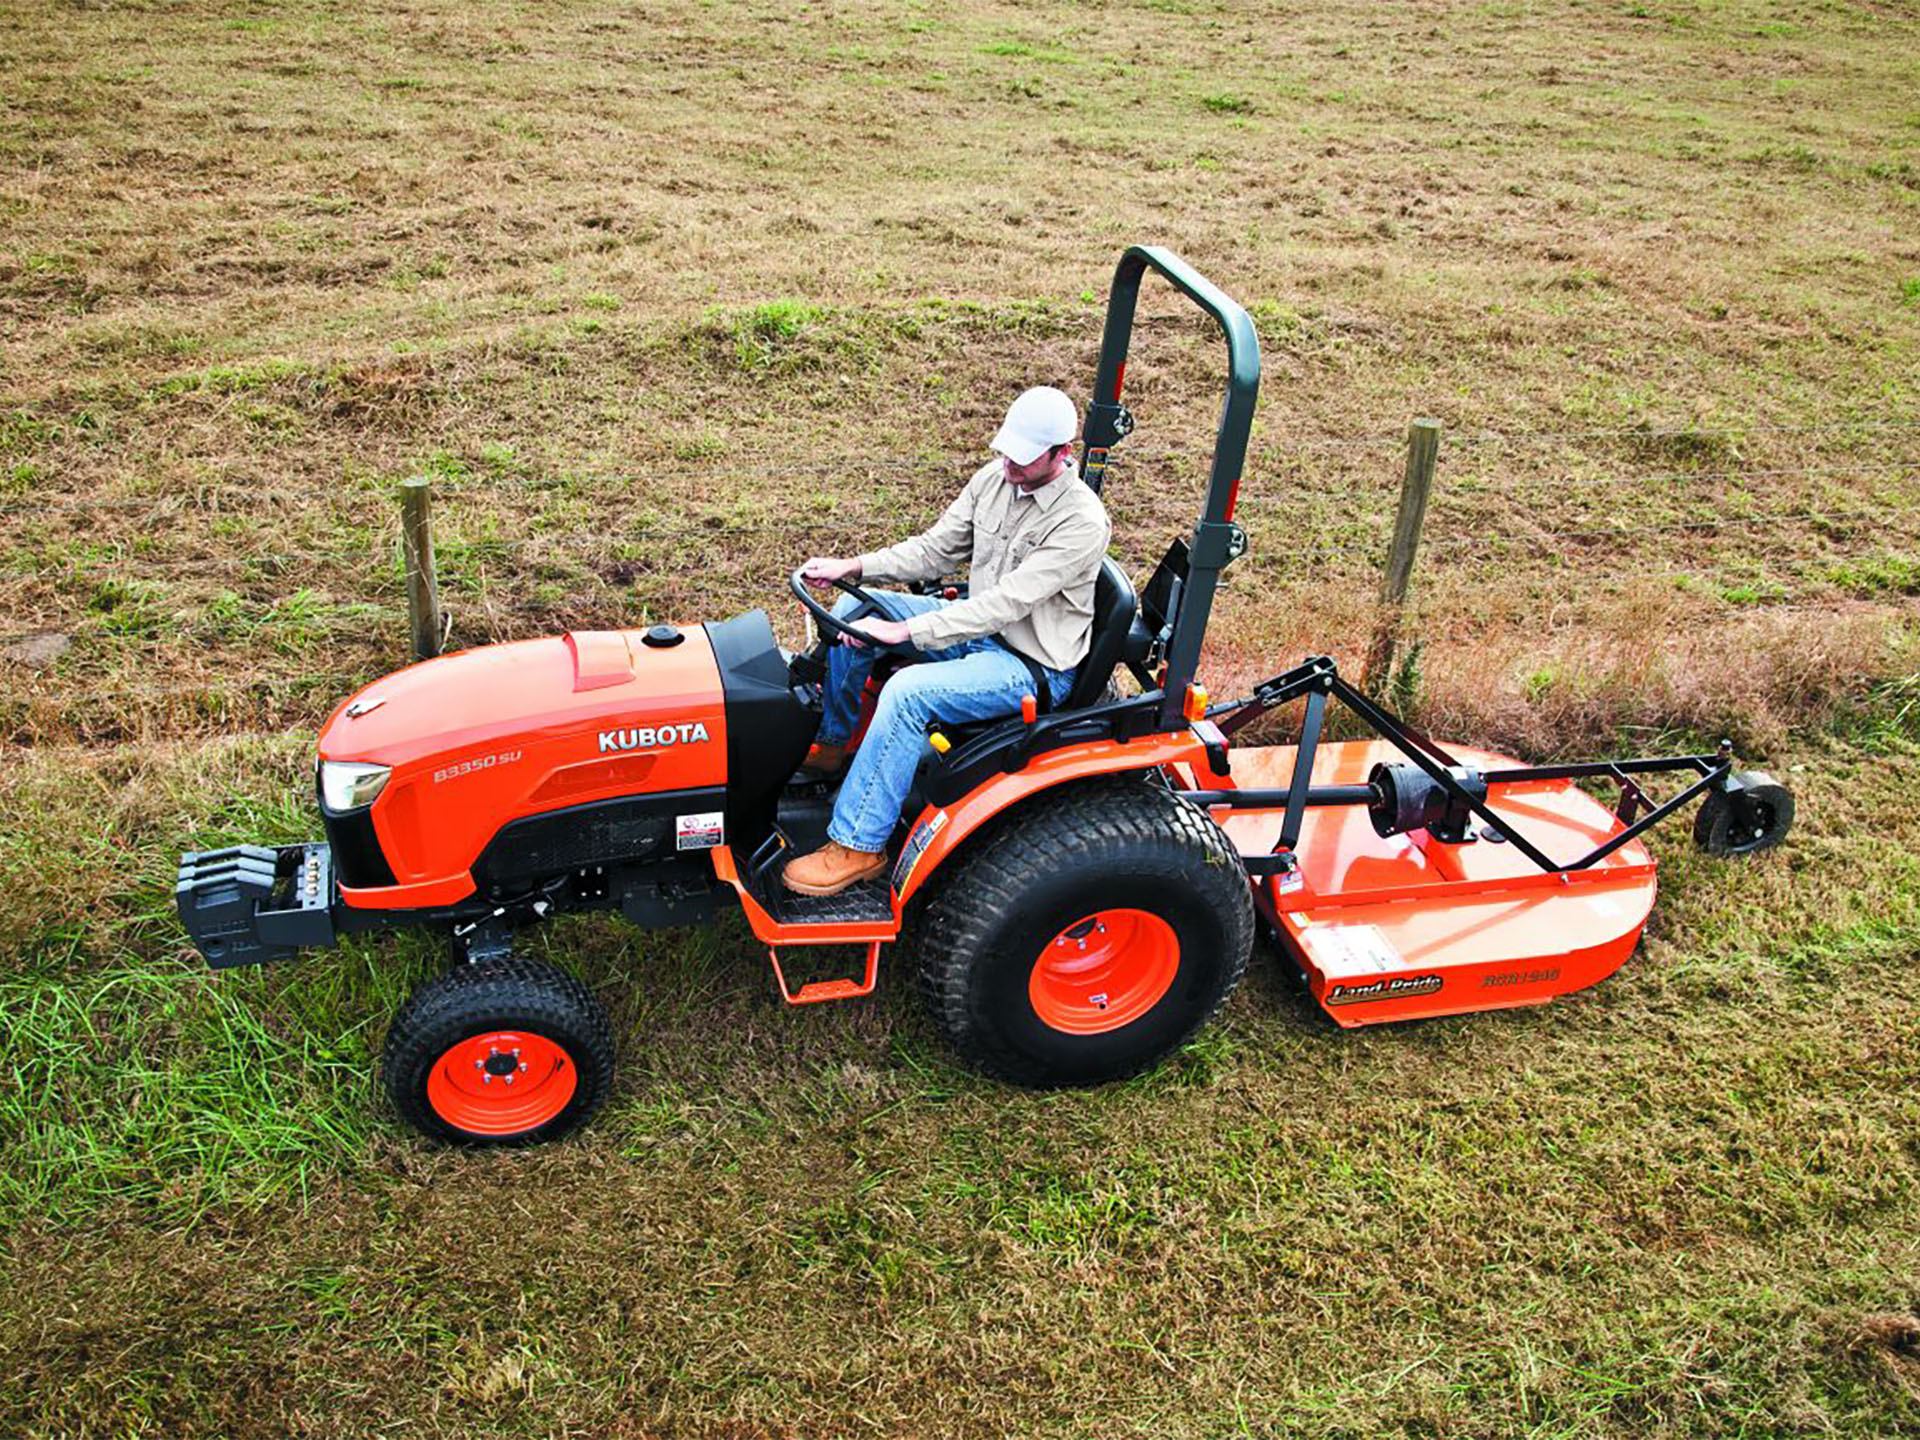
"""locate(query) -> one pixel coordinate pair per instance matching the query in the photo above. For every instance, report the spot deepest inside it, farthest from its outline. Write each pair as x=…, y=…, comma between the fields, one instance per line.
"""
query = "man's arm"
x=1068, y=555
x=938, y=551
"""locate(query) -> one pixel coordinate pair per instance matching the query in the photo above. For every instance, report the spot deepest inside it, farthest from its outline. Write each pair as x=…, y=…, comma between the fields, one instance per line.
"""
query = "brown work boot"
x=823, y=762
x=831, y=869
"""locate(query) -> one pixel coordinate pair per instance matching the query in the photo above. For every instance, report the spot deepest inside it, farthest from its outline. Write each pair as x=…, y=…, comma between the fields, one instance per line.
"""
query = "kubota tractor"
x=1078, y=888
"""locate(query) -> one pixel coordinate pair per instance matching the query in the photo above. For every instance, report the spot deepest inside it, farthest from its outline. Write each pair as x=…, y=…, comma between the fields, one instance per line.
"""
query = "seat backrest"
x=1114, y=606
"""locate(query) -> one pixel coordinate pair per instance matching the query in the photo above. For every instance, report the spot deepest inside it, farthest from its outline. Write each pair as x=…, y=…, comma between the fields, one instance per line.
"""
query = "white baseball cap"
x=1037, y=420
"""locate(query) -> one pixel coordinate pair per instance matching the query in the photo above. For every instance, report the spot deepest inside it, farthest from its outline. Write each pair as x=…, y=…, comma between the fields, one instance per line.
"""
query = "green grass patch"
x=1876, y=575
x=130, y=609
x=1227, y=103
x=230, y=379
x=777, y=333
x=242, y=1103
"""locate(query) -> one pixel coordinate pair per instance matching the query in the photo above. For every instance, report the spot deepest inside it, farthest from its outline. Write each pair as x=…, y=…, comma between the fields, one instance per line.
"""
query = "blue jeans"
x=976, y=680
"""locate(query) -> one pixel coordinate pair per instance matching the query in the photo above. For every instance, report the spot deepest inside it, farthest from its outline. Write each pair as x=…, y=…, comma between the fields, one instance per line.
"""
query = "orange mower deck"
x=1405, y=926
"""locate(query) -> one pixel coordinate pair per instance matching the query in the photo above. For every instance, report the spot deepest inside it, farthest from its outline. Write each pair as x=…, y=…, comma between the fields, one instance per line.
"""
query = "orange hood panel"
x=483, y=737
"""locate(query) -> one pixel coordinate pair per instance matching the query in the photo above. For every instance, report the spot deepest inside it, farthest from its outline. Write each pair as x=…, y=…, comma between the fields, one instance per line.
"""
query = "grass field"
x=667, y=297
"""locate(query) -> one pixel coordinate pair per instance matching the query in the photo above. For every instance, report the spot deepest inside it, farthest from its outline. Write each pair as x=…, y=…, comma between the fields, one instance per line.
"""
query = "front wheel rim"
x=501, y=1082
x=1104, y=971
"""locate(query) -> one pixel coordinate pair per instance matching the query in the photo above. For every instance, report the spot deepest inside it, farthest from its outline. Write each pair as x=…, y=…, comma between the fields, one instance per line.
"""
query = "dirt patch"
x=36, y=651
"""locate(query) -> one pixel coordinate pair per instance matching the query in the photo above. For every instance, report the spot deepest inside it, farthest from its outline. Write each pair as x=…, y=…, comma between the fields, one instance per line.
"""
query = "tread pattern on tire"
x=1080, y=824
x=451, y=1006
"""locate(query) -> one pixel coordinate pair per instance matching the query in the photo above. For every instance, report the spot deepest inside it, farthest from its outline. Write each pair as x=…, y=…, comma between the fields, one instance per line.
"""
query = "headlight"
x=345, y=785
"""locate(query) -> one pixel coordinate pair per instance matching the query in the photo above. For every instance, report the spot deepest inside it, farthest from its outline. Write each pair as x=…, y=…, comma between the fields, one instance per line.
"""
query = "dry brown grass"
x=260, y=267
x=668, y=297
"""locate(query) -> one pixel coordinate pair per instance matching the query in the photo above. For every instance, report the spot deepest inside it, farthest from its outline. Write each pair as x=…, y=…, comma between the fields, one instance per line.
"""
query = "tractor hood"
x=529, y=692
x=476, y=741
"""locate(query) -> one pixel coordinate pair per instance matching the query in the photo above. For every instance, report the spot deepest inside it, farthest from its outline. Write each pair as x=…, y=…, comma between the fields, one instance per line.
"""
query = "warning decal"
x=1342, y=950
x=699, y=832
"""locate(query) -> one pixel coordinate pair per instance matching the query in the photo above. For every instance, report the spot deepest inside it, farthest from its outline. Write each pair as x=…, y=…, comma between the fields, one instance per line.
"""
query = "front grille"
x=357, y=861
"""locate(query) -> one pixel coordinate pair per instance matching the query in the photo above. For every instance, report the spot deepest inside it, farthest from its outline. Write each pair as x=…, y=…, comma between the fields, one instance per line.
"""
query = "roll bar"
x=1216, y=539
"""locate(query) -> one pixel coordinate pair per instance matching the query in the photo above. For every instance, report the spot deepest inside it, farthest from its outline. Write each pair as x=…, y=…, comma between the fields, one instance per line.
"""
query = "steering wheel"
x=842, y=626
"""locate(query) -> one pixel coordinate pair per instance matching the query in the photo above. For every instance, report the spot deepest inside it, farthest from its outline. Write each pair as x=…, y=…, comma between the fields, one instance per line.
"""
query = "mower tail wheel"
x=499, y=1052
x=1087, y=938
x=1755, y=815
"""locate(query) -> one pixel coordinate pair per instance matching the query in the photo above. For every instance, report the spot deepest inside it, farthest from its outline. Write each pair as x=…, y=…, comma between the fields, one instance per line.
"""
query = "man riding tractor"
x=1033, y=536
x=1078, y=888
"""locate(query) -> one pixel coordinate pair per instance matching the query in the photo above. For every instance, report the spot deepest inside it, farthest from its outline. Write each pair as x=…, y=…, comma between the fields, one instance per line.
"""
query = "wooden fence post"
x=1423, y=449
x=423, y=588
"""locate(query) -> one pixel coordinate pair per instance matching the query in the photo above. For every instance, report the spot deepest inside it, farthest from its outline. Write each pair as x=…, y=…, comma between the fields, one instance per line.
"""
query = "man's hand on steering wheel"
x=866, y=624
x=824, y=570
x=879, y=628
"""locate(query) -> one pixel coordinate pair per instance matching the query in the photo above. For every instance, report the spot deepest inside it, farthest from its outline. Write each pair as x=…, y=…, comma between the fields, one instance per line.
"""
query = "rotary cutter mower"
x=1077, y=889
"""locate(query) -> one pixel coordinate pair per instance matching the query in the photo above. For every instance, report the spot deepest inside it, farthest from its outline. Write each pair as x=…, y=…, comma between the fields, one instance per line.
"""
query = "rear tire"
x=499, y=1052
x=1087, y=938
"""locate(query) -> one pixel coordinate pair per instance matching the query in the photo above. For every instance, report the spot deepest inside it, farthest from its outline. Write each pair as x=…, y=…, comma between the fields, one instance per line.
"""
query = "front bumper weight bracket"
x=250, y=903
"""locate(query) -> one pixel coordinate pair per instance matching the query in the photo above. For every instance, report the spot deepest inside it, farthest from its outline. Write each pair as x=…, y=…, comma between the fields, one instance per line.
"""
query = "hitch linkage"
x=1450, y=792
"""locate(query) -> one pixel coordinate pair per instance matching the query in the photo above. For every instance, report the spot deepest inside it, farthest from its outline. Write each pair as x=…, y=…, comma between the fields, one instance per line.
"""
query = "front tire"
x=499, y=1052
x=1086, y=938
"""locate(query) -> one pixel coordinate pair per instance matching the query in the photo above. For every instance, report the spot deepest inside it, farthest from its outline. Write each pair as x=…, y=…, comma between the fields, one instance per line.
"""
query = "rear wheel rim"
x=501, y=1082
x=1104, y=971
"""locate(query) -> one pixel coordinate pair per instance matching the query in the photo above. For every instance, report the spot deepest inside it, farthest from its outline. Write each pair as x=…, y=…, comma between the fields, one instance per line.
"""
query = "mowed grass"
x=666, y=299
x=1683, y=1203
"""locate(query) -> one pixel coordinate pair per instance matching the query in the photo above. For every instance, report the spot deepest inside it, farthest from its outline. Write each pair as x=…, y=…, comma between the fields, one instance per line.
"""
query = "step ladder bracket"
x=816, y=991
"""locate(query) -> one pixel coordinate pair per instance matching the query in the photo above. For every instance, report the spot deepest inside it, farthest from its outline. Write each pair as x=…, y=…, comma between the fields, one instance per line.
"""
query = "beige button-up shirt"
x=1032, y=560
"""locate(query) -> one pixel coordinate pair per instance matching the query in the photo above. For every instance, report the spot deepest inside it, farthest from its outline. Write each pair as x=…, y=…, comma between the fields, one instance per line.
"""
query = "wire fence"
x=321, y=687
x=1617, y=434
x=616, y=547
x=644, y=522
x=1267, y=452
x=632, y=550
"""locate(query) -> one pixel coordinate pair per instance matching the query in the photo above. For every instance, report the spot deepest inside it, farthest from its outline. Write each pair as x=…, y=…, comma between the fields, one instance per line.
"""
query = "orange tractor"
x=1079, y=888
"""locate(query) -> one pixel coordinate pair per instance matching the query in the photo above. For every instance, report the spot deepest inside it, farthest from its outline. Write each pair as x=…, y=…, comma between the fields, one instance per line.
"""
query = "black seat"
x=1114, y=608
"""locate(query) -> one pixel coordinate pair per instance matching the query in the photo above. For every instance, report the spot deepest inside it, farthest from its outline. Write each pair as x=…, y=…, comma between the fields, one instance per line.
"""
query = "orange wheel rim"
x=501, y=1083
x=1104, y=971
